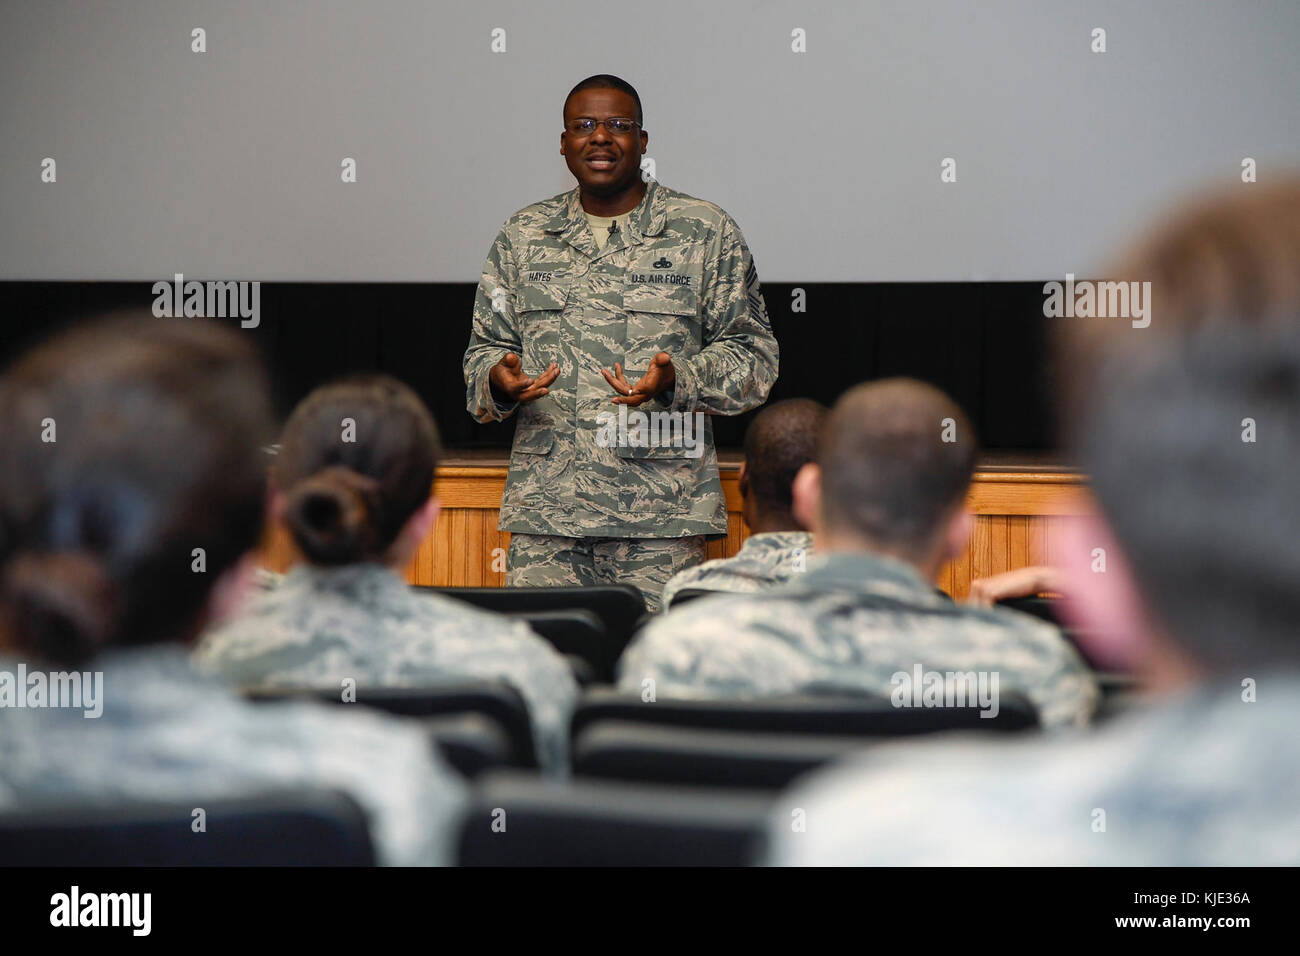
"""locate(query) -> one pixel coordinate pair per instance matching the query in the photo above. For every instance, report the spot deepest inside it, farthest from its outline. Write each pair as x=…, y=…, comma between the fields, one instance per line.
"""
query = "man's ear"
x=742, y=480
x=417, y=528
x=957, y=534
x=806, y=497
x=422, y=523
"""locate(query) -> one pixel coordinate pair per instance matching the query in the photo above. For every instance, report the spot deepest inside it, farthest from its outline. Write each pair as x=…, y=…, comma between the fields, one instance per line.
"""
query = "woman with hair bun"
x=132, y=490
x=353, y=486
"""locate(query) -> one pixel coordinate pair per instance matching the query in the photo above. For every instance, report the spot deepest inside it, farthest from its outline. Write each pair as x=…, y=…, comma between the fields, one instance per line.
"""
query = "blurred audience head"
x=894, y=461
x=354, y=475
x=780, y=440
x=1190, y=431
x=132, y=482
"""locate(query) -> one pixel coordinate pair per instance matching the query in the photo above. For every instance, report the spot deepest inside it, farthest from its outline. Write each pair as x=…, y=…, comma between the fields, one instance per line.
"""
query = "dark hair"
x=888, y=474
x=351, y=487
x=607, y=81
x=780, y=440
x=1207, y=519
x=127, y=444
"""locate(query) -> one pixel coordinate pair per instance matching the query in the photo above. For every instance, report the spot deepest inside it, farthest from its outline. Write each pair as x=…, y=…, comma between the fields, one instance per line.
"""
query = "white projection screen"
x=227, y=163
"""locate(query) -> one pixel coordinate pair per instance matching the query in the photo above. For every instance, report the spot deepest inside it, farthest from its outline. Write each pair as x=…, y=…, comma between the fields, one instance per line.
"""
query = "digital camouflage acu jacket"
x=850, y=624
x=679, y=279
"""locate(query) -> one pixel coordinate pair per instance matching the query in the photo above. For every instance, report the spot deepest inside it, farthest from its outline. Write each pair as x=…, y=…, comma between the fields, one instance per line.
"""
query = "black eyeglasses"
x=585, y=126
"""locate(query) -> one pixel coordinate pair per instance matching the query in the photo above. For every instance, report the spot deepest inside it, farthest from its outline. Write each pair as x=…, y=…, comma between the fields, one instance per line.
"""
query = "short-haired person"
x=132, y=490
x=617, y=305
x=778, y=442
x=357, y=503
x=886, y=502
x=1201, y=594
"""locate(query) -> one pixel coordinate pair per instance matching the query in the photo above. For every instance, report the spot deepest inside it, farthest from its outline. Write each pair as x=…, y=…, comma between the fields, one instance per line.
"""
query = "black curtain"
x=982, y=342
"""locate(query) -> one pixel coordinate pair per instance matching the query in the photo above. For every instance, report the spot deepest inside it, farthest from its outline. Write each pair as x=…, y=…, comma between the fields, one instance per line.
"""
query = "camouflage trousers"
x=544, y=560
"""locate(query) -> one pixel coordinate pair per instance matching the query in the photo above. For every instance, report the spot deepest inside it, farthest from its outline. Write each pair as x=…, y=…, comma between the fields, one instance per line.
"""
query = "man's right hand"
x=510, y=385
x=1023, y=582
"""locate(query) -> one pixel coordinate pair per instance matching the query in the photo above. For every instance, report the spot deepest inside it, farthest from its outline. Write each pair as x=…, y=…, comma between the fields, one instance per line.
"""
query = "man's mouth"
x=601, y=162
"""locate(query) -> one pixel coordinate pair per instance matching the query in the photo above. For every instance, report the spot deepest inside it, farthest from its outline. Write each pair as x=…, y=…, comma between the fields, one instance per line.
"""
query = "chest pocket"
x=539, y=303
x=661, y=299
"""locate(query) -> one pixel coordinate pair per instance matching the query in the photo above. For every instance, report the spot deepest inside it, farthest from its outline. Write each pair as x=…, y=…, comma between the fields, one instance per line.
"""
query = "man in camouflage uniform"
x=886, y=502
x=169, y=733
x=778, y=442
x=1198, y=599
x=361, y=621
x=617, y=294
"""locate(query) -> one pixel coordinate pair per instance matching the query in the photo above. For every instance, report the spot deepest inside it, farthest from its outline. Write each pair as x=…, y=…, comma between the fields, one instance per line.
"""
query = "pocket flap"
x=542, y=296
x=662, y=300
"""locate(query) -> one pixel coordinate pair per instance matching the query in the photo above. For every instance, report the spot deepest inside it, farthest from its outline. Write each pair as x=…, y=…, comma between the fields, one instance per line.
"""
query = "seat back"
x=519, y=821
x=471, y=743
x=581, y=637
x=690, y=594
x=622, y=750
x=1044, y=608
x=1049, y=609
x=619, y=606
x=296, y=827
x=864, y=716
x=753, y=743
x=496, y=701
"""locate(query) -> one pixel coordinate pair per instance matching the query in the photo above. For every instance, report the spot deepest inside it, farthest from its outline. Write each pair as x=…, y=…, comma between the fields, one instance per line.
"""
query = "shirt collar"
x=869, y=574
x=569, y=221
x=358, y=581
x=776, y=541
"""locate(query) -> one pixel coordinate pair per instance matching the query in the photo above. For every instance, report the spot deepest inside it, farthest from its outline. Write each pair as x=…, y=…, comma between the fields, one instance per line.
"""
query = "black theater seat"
x=762, y=743
x=298, y=827
x=469, y=745
x=516, y=820
x=619, y=607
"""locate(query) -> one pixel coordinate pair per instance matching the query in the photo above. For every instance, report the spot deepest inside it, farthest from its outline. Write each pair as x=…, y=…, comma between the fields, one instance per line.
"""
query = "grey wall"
x=226, y=164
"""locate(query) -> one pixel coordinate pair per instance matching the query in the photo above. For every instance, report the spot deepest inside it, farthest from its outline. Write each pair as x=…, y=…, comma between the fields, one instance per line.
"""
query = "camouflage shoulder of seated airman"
x=264, y=579
x=851, y=623
x=362, y=622
x=168, y=733
x=1203, y=778
x=763, y=561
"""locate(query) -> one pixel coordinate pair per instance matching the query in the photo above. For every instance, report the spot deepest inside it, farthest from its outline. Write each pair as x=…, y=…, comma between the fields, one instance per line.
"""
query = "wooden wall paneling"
x=491, y=538
x=1037, y=540
x=1017, y=541
x=459, y=562
x=1017, y=520
x=420, y=570
x=959, y=569
x=440, y=572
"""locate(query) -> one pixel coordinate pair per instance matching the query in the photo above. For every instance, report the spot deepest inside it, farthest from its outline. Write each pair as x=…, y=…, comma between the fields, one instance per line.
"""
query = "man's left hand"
x=659, y=378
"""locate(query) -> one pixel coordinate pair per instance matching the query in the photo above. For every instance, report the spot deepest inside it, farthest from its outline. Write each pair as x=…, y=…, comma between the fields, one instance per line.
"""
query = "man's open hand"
x=509, y=384
x=659, y=378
